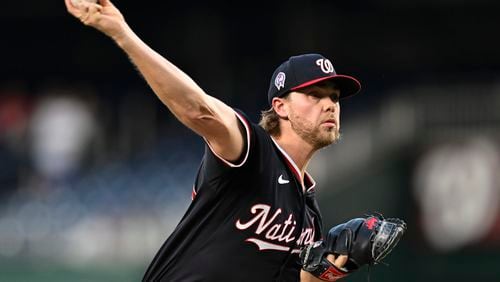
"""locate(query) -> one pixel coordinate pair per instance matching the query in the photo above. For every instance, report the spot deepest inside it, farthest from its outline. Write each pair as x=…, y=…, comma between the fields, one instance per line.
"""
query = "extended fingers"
x=84, y=10
x=89, y=12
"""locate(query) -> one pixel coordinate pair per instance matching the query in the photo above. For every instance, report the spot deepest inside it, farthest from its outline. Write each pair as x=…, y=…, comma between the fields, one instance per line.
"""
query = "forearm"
x=203, y=114
x=200, y=112
x=174, y=88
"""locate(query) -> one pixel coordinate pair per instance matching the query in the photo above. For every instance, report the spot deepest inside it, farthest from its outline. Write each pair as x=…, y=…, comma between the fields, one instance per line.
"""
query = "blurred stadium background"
x=95, y=172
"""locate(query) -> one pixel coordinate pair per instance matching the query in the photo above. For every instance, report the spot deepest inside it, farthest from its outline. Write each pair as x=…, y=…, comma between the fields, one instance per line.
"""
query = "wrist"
x=123, y=36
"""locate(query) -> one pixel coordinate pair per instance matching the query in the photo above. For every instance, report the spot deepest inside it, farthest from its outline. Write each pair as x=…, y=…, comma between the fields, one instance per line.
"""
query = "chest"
x=277, y=214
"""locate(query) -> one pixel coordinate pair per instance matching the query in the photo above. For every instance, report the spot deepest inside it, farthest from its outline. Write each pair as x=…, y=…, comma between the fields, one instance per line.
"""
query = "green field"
x=42, y=271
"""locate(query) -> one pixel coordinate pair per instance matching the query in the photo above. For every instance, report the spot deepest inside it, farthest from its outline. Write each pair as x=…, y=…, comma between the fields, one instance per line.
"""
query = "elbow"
x=199, y=114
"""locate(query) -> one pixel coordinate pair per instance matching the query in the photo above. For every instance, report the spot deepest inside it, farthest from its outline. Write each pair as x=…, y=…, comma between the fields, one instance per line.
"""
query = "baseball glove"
x=366, y=241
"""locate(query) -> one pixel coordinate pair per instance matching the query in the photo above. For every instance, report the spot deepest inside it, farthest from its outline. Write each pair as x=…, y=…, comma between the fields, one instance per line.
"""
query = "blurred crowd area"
x=84, y=179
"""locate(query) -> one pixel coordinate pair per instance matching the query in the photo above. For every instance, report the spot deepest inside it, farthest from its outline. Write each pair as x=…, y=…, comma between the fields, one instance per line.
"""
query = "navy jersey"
x=247, y=220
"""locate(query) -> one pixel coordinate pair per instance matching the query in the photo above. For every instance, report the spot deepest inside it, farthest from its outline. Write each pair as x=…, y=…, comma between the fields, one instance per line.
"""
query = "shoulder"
x=250, y=126
x=256, y=141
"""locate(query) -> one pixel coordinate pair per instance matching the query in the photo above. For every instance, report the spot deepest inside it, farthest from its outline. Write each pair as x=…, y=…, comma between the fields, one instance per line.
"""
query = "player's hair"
x=270, y=121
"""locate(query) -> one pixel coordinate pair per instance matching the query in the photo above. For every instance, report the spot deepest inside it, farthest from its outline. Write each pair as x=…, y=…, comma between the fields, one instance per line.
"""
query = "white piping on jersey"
x=313, y=183
x=247, y=129
x=263, y=245
x=296, y=168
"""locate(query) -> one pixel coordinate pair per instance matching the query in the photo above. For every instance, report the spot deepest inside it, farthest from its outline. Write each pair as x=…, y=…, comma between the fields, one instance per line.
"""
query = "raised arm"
x=204, y=114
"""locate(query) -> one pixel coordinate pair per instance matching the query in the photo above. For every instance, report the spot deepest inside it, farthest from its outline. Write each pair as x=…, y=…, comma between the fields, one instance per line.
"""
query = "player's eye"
x=335, y=97
x=315, y=95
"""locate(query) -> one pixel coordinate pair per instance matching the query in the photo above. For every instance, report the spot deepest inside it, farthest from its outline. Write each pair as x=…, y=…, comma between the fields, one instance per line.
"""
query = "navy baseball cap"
x=304, y=70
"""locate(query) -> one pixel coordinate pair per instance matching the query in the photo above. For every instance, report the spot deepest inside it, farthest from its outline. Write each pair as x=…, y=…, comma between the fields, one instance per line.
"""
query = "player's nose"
x=329, y=105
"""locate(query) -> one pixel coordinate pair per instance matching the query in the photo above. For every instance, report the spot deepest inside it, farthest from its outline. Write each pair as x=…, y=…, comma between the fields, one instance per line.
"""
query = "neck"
x=299, y=150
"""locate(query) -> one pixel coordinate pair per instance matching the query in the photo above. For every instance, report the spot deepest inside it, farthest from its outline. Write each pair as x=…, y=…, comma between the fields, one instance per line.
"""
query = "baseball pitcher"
x=254, y=216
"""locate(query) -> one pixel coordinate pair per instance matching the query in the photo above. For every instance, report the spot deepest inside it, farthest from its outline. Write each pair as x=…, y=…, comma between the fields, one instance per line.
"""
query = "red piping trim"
x=311, y=82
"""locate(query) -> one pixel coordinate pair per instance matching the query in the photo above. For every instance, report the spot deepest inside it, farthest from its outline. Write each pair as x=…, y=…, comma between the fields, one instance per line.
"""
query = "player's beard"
x=315, y=135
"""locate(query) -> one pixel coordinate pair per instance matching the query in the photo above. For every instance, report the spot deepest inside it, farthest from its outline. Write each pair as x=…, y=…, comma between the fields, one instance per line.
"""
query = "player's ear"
x=280, y=107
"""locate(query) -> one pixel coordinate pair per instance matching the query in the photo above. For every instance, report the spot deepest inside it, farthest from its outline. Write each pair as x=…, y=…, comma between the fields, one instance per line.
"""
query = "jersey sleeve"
x=215, y=172
x=247, y=129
